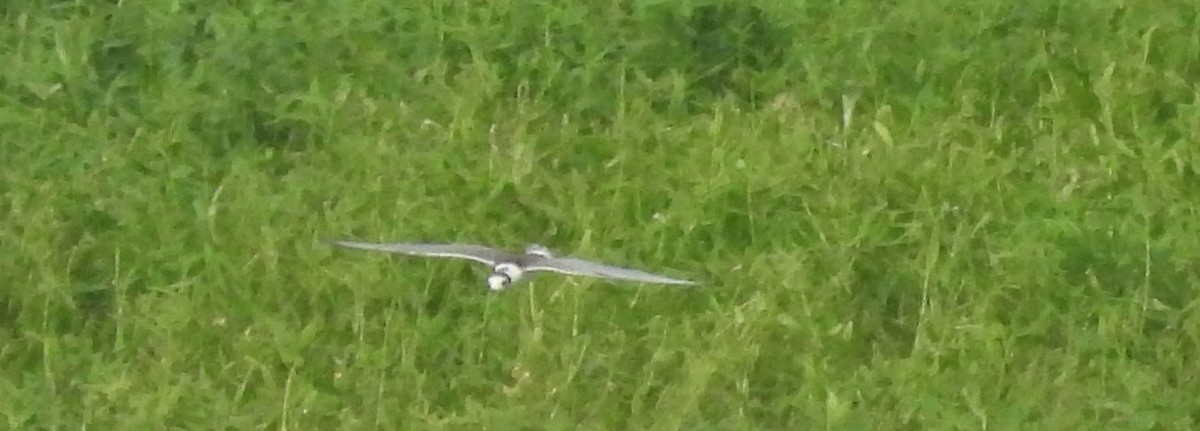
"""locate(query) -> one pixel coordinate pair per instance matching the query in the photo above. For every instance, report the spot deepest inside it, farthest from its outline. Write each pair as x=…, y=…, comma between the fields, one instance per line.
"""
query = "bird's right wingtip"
x=330, y=241
x=686, y=283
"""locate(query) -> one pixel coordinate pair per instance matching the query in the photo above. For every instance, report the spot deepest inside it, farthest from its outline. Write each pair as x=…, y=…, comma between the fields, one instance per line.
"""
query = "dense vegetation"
x=907, y=215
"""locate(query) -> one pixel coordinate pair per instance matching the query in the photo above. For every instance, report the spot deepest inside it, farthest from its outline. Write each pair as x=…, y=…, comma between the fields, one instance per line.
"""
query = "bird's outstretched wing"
x=473, y=252
x=572, y=266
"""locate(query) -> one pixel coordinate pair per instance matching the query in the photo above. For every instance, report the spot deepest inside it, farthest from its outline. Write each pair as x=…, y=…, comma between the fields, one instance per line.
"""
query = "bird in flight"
x=509, y=267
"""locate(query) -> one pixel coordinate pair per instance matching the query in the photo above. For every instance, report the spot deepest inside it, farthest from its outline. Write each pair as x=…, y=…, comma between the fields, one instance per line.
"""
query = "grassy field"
x=918, y=216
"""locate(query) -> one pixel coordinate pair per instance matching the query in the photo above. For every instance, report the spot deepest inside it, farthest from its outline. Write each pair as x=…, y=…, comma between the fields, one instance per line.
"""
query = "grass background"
x=911, y=215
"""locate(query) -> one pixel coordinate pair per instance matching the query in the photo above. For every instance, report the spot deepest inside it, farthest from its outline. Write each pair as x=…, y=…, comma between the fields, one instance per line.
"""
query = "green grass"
x=920, y=216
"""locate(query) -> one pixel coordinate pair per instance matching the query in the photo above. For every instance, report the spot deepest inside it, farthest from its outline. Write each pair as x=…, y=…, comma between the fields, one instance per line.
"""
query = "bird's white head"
x=498, y=281
x=504, y=275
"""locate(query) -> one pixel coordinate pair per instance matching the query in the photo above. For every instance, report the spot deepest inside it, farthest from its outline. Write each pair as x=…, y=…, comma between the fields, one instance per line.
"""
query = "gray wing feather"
x=572, y=266
x=473, y=252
